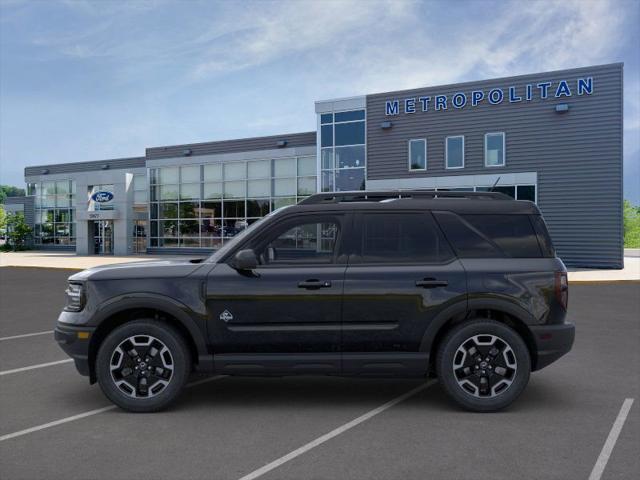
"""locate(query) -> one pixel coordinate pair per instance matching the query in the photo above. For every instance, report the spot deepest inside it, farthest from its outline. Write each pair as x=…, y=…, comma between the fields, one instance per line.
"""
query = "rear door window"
x=402, y=238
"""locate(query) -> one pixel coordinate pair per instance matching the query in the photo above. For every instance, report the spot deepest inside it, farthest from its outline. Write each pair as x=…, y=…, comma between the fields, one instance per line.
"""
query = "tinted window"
x=543, y=236
x=491, y=235
x=403, y=238
x=304, y=243
x=349, y=116
x=350, y=133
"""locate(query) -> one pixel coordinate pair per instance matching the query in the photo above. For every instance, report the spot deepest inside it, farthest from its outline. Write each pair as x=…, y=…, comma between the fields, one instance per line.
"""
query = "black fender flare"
x=459, y=308
x=162, y=303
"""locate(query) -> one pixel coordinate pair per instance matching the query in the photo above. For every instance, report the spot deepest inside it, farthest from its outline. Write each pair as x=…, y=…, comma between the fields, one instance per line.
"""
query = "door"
x=103, y=237
x=286, y=314
x=402, y=275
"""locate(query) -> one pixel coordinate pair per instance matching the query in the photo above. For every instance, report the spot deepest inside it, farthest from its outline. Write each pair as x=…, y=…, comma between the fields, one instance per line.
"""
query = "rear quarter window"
x=490, y=236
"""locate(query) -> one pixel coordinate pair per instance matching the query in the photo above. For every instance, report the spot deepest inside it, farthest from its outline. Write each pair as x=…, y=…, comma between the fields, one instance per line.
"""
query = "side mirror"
x=245, y=260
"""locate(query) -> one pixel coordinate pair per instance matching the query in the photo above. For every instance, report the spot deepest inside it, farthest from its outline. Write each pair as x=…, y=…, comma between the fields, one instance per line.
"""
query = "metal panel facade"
x=96, y=165
x=577, y=155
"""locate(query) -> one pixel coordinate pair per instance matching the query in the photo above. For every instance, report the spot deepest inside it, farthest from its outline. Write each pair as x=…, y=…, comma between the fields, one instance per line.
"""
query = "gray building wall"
x=577, y=155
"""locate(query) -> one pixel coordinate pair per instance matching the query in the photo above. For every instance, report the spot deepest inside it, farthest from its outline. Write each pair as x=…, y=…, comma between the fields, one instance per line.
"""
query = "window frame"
x=504, y=149
x=446, y=152
x=426, y=164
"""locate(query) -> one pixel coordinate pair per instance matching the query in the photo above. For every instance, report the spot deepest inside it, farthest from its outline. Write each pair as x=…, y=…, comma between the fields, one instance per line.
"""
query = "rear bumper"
x=552, y=342
x=74, y=345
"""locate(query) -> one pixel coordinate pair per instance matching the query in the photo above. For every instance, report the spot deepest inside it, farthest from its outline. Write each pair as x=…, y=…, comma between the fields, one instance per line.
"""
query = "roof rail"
x=378, y=196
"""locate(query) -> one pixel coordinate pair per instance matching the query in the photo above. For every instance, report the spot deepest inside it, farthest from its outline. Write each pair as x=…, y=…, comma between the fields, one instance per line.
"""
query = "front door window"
x=103, y=237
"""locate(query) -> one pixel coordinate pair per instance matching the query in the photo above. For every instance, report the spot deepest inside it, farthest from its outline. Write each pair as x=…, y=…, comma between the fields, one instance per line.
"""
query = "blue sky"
x=87, y=80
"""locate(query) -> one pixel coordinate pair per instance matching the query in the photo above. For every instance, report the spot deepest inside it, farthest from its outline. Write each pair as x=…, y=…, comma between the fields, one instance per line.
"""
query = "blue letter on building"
x=391, y=107
x=544, y=86
x=585, y=85
x=410, y=105
x=425, y=103
x=476, y=97
x=496, y=96
x=563, y=89
x=441, y=102
x=459, y=100
x=512, y=95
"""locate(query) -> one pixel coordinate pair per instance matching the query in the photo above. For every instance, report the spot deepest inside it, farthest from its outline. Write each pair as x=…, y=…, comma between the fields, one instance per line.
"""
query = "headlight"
x=75, y=297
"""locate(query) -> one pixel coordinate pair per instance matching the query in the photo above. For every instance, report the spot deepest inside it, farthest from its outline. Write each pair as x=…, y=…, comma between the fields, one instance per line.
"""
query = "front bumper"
x=75, y=343
x=552, y=342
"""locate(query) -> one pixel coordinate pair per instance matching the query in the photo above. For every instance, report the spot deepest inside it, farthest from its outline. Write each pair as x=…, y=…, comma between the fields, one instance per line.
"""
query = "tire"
x=461, y=372
x=154, y=348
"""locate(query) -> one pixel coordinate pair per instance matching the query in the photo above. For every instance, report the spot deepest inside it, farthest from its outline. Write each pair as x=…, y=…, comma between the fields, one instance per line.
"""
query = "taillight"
x=562, y=289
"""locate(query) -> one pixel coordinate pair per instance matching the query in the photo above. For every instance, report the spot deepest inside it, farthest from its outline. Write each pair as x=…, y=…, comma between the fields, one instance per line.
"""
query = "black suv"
x=462, y=286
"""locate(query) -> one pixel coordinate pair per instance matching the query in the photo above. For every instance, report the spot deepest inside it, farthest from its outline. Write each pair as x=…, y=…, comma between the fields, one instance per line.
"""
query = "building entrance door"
x=103, y=237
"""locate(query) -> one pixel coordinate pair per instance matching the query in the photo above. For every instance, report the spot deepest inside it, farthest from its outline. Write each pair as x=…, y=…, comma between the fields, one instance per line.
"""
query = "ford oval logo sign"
x=102, y=197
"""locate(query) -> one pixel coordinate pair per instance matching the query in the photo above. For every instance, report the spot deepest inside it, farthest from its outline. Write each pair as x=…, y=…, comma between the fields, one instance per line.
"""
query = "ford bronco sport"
x=462, y=286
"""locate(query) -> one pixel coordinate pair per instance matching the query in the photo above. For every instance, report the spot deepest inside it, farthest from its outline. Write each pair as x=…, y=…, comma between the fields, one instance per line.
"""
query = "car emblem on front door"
x=226, y=316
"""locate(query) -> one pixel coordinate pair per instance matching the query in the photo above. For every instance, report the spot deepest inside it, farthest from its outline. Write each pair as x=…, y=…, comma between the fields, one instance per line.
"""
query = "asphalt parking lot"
x=315, y=427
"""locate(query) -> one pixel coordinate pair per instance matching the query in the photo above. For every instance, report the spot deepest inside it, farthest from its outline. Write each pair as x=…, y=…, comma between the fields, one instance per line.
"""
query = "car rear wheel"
x=483, y=365
x=143, y=365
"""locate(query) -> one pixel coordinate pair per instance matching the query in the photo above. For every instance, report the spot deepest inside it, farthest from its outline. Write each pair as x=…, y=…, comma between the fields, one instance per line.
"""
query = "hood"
x=132, y=270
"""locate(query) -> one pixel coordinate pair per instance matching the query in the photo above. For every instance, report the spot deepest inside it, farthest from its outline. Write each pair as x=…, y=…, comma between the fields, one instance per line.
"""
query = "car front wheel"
x=143, y=365
x=483, y=365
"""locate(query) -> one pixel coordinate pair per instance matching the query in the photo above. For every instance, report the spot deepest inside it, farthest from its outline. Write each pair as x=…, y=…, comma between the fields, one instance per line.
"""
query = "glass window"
x=257, y=208
x=494, y=149
x=455, y=152
x=349, y=179
x=506, y=189
x=190, y=174
x=526, y=192
x=234, y=171
x=213, y=190
x=282, y=202
x=350, y=157
x=326, y=132
x=189, y=209
x=327, y=158
x=546, y=246
x=168, y=175
x=513, y=234
x=62, y=187
x=168, y=210
x=349, y=116
x=189, y=191
x=418, y=154
x=139, y=183
x=140, y=196
x=284, y=167
x=284, y=186
x=306, y=185
x=349, y=133
x=189, y=228
x=306, y=166
x=259, y=188
x=211, y=210
x=326, y=118
x=259, y=169
x=169, y=192
x=213, y=172
x=235, y=189
x=403, y=238
x=305, y=243
x=233, y=208
x=327, y=181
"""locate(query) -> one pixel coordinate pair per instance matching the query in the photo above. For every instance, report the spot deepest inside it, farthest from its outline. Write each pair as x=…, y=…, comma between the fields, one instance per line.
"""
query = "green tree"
x=3, y=219
x=10, y=191
x=17, y=231
x=631, y=225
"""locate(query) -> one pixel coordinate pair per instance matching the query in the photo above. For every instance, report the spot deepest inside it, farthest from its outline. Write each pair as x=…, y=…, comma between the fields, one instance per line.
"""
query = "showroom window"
x=343, y=150
x=494, y=147
x=54, y=222
x=454, y=148
x=418, y=154
x=201, y=206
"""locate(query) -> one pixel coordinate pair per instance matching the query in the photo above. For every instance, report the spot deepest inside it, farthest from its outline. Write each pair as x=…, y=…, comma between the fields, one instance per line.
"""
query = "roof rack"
x=378, y=196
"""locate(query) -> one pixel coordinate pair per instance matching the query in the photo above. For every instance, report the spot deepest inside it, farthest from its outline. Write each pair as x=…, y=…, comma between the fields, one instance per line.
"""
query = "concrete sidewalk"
x=49, y=259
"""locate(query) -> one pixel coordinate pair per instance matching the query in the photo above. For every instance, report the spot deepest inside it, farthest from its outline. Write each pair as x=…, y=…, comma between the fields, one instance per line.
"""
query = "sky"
x=89, y=80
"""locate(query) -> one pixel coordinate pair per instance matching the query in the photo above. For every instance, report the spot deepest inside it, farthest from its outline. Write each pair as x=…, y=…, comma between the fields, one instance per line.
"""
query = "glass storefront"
x=54, y=212
x=343, y=150
x=202, y=205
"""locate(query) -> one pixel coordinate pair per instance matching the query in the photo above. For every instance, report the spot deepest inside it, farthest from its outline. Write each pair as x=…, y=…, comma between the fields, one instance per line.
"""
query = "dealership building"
x=553, y=138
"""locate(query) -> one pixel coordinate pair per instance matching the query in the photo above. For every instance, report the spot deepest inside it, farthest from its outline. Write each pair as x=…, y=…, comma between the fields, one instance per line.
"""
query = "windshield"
x=231, y=244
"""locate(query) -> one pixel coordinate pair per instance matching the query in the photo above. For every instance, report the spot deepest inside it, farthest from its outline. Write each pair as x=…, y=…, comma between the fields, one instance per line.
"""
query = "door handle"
x=431, y=283
x=314, y=284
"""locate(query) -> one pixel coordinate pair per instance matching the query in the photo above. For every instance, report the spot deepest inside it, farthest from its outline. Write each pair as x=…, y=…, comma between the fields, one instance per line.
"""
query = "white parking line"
x=86, y=414
x=334, y=433
x=24, y=335
x=601, y=463
x=32, y=367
